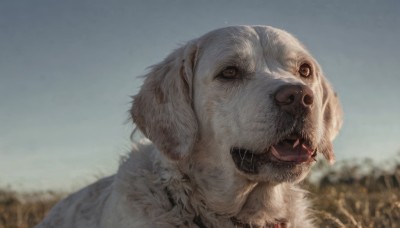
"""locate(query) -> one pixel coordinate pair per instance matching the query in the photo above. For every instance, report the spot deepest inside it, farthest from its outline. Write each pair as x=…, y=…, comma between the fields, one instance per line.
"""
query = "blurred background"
x=68, y=69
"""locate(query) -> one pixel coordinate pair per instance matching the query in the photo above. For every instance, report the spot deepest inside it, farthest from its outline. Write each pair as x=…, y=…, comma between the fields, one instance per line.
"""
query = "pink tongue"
x=297, y=152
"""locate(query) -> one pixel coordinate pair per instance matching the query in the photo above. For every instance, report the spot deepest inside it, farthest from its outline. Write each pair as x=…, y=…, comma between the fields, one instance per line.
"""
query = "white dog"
x=236, y=118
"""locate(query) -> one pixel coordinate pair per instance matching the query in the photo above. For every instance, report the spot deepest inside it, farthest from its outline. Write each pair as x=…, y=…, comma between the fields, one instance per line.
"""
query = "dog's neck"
x=241, y=201
x=209, y=195
x=265, y=204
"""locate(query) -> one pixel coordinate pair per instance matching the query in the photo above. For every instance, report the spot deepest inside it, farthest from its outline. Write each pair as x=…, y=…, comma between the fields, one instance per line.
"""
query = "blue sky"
x=68, y=68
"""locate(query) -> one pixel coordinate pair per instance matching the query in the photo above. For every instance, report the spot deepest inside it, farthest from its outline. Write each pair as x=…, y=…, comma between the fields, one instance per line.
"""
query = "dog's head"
x=249, y=99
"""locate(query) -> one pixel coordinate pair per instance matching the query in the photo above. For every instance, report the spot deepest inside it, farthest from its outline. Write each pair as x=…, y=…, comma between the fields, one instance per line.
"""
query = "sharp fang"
x=296, y=143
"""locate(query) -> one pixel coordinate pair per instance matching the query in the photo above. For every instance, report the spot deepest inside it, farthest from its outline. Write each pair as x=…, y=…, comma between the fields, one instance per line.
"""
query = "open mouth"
x=291, y=151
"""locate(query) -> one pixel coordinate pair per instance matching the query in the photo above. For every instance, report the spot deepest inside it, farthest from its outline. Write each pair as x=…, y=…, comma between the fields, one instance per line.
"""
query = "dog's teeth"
x=296, y=143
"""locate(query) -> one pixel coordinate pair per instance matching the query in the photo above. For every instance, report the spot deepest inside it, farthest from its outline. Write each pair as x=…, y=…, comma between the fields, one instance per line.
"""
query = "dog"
x=234, y=121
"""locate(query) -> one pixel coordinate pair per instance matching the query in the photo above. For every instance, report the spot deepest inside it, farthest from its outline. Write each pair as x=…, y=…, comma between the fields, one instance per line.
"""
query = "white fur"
x=193, y=119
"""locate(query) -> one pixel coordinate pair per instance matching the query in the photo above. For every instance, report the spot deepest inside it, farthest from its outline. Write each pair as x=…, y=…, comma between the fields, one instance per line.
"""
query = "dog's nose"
x=294, y=99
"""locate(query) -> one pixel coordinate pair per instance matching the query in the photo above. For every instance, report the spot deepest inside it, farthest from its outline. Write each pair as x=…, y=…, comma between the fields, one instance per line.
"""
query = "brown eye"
x=229, y=73
x=305, y=70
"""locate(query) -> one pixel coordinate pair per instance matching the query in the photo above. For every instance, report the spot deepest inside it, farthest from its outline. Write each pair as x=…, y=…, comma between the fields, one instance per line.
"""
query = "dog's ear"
x=163, y=110
x=332, y=117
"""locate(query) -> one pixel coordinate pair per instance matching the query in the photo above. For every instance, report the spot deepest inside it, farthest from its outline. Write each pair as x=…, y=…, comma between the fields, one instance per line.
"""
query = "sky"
x=68, y=69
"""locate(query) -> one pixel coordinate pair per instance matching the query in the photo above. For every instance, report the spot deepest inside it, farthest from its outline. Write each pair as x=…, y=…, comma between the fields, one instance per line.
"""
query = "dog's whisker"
x=241, y=163
x=252, y=163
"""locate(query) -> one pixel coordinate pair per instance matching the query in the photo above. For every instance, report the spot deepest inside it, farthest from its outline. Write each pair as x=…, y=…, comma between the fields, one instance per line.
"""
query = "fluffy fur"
x=185, y=176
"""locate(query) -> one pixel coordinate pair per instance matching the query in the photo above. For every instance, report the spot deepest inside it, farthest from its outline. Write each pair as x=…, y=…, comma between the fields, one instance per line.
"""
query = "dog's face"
x=244, y=100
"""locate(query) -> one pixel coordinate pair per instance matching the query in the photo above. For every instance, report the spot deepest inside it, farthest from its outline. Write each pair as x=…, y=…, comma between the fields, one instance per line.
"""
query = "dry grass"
x=24, y=210
x=356, y=206
x=357, y=195
x=344, y=197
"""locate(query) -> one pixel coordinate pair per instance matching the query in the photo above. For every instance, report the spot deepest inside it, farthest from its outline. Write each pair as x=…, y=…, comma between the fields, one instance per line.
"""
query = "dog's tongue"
x=290, y=151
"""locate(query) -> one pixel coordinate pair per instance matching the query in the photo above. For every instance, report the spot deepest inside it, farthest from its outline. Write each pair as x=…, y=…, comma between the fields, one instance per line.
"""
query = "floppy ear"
x=162, y=109
x=332, y=117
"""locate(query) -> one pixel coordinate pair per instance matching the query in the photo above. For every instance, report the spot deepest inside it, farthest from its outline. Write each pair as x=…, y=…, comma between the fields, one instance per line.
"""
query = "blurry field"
x=362, y=195
x=24, y=210
x=347, y=195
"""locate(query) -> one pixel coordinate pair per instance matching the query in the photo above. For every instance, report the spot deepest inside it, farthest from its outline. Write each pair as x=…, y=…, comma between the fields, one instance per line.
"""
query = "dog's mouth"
x=290, y=151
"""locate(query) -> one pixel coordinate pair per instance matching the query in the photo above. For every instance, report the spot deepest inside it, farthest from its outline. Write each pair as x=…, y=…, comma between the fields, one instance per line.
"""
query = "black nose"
x=294, y=99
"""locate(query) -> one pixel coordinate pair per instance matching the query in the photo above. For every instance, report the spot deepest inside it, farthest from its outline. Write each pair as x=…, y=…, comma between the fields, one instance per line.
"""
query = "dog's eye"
x=305, y=70
x=229, y=73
